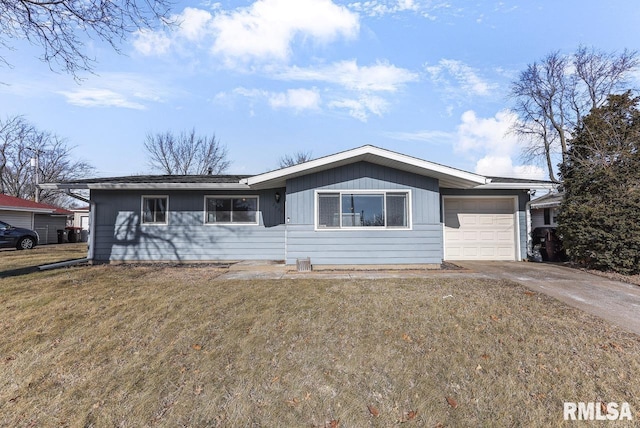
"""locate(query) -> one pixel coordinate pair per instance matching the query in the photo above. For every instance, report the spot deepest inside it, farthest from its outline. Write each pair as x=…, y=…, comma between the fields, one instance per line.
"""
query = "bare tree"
x=186, y=154
x=553, y=95
x=20, y=142
x=59, y=26
x=294, y=159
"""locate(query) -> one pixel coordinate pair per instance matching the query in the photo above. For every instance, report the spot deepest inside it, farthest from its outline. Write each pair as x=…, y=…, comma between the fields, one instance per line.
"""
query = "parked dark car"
x=18, y=237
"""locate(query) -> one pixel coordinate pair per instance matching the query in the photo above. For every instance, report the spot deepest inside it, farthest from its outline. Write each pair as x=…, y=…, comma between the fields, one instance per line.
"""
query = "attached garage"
x=480, y=228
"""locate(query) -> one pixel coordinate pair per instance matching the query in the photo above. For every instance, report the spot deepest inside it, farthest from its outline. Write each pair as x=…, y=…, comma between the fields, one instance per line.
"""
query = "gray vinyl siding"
x=120, y=236
x=422, y=244
x=523, y=198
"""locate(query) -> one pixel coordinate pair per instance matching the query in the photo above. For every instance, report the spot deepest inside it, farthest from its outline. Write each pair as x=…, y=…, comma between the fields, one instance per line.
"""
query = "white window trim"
x=384, y=192
x=166, y=220
x=256, y=223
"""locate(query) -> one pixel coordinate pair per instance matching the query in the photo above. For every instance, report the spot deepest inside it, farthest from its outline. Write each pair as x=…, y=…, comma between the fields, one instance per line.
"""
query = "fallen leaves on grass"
x=452, y=402
x=374, y=411
x=334, y=423
x=494, y=317
x=196, y=347
x=409, y=416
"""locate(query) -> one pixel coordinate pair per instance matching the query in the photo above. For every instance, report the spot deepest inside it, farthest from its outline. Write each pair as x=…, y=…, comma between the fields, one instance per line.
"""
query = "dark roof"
x=162, y=179
x=549, y=200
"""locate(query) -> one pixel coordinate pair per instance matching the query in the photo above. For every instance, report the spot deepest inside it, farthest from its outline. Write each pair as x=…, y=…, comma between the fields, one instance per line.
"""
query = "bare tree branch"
x=59, y=26
x=20, y=141
x=186, y=154
x=295, y=159
x=553, y=95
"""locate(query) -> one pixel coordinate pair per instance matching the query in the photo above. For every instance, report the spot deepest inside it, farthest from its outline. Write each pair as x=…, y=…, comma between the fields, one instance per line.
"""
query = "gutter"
x=527, y=216
x=63, y=264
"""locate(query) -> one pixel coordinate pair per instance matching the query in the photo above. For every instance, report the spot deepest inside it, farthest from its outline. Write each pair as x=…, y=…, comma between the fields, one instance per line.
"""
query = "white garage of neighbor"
x=480, y=228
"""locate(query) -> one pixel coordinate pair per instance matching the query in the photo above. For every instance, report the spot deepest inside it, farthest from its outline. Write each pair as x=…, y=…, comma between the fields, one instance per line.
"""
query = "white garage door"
x=17, y=218
x=479, y=229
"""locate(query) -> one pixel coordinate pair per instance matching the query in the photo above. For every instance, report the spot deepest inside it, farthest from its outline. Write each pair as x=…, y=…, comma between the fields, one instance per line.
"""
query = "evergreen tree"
x=600, y=215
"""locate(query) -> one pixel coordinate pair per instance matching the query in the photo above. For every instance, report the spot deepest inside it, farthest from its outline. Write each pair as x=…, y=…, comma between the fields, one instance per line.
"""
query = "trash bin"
x=62, y=236
x=84, y=235
x=73, y=234
x=548, y=244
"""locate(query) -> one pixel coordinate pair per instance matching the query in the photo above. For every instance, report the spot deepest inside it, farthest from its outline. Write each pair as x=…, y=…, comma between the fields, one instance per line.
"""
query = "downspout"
x=92, y=222
x=527, y=217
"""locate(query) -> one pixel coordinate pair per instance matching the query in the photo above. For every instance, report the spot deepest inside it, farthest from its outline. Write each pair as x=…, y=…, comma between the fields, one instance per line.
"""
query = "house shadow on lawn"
x=48, y=266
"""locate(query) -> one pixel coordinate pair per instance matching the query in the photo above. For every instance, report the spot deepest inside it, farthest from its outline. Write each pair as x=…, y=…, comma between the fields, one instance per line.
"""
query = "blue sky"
x=425, y=78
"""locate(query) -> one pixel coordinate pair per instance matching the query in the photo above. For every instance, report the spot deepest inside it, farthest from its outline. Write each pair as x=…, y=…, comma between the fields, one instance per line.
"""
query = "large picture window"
x=346, y=210
x=154, y=209
x=231, y=210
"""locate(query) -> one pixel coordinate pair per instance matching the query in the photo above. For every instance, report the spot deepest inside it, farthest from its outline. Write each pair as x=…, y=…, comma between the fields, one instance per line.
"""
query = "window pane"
x=362, y=210
x=328, y=210
x=397, y=210
x=160, y=210
x=244, y=210
x=218, y=210
x=154, y=210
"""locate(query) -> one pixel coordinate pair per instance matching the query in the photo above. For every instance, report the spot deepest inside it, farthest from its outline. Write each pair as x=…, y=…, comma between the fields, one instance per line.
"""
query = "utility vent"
x=303, y=265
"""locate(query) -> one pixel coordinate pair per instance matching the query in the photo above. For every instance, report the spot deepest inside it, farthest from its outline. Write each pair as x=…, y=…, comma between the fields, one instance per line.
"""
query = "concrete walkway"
x=614, y=301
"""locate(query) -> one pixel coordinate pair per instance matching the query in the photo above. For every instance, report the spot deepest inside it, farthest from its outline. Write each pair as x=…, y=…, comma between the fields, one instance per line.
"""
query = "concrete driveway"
x=614, y=301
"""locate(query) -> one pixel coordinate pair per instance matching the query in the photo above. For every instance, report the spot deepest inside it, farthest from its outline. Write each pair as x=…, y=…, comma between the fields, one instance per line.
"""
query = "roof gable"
x=448, y=177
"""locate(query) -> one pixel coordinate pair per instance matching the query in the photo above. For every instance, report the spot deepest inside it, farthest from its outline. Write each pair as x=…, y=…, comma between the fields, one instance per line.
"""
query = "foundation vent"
x=303, y=265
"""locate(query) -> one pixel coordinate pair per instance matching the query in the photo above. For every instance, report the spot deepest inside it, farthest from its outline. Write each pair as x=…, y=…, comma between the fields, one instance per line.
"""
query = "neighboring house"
x=544, y=210
x=43, y=218
x=366, y=206
x=81, y=218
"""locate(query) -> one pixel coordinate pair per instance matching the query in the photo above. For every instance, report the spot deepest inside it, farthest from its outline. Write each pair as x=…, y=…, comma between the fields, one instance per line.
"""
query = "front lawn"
x=12, y=259
x=181, y=346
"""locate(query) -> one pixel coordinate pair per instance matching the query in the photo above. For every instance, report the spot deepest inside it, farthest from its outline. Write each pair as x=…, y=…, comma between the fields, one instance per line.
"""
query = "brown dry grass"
x=173, y=346
x=11, y=259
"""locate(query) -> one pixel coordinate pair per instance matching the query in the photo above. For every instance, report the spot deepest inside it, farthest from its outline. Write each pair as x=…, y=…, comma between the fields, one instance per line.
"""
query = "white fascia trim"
x=517, y=186
x=147, y=186
x=361, y=151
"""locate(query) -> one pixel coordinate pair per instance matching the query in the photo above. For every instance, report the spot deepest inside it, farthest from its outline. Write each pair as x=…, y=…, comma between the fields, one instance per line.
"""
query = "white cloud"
x=362, y=107
x=150, y=43
x=266, y=29
x=297, y=99
x=480, y=135
x=489, y=142
x=502, y=166
x=455, y=77
x=121, y=90
x=428, y=136
x=380, y=8
x=194, y=24
x=264, y=32
x=378, y=77
x=98, y=97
